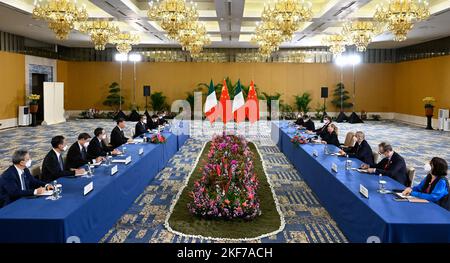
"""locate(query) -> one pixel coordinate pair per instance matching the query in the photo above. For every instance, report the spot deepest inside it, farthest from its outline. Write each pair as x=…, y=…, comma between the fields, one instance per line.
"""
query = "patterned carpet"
x=306, y=220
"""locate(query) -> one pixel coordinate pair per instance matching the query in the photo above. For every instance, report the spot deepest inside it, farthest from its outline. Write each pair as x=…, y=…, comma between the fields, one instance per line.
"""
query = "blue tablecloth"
x=87, y=217
x=360, y=218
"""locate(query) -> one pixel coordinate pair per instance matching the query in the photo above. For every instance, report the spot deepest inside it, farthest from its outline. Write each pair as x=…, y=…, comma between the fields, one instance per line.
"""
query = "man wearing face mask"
x=392, y=165
x=299, y=120
x=53, y=164
x=162, y=120
x=322, y=130
x=153, y=125
x=117, y=135
x=18, y=181
x=361, y=150
x=97, y=147
x=77, y=155
x=141, y=126
x=434, y=187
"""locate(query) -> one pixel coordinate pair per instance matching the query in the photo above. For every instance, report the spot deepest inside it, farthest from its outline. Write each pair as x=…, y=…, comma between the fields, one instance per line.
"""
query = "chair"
x=36, y=171
x=411, y=172
x=349, y=142
x=375, y=157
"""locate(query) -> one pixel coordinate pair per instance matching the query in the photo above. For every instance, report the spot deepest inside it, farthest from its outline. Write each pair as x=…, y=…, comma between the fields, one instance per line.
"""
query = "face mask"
x=103, y=136
x=427, y=167
x=86, y=144
x=326, y=121
x=28, y=164
x=144, y=121
x=160, y=117
x=65, y=148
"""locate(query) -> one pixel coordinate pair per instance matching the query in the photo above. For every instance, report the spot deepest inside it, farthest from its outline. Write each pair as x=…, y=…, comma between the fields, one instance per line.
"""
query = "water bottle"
x=55, y=191
x=347, y=163
x=89, y=169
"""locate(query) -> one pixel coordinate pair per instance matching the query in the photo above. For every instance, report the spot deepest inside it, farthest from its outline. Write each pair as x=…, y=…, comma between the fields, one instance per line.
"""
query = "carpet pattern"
x=306, y=219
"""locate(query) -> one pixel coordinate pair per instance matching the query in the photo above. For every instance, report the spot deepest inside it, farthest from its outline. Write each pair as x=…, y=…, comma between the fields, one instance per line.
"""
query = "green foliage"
x=271, y=97
x=320, y=109
x=302, y=102
x=158, y=101
x=114, y=99
x=337, y=101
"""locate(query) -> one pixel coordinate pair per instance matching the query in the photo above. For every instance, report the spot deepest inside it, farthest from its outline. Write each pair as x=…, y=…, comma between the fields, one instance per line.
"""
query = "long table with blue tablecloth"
x=88, y=218
x=379, y=217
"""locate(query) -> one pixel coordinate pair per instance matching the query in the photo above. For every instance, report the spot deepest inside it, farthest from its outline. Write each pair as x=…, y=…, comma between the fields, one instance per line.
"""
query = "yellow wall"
x=12, y=84
x=87, y=82
x=422, y=78
x=379, y=87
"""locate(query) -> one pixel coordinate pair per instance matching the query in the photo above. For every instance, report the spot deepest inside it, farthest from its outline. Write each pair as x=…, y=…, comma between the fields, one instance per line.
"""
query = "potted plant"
x=429, y=107
x=302, y=102
x=34, y=100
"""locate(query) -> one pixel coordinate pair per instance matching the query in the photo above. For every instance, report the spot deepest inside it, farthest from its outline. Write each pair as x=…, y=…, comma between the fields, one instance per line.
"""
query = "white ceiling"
x=230, y=23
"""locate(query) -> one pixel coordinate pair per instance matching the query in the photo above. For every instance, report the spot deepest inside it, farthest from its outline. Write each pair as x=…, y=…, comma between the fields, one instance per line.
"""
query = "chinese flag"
x=252, y=104
x=225, y=104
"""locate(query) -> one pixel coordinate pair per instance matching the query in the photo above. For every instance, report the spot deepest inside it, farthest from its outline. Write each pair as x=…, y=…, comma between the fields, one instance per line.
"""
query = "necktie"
x=61, y=163
x=83, y=153
x=22, y=182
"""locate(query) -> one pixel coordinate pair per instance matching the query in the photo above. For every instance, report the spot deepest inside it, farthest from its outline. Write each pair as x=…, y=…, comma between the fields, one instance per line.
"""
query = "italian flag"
x=211, y=103
x=238, y=103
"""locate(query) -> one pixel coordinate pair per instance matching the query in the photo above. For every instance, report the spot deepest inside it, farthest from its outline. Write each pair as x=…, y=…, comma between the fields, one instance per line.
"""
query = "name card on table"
x=114, y=170
x=141, y=151
x=363, y=191
x=128, y=160
x=125, y=161
x=315, y=153
x=334, y=167
x=88, y=188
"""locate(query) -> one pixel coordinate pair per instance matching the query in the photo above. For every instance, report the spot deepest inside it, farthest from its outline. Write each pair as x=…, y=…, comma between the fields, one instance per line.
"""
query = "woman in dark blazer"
x=330, y=136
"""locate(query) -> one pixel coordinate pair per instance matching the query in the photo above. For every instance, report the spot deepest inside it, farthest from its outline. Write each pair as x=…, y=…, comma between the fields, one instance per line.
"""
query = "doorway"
x=37, y=87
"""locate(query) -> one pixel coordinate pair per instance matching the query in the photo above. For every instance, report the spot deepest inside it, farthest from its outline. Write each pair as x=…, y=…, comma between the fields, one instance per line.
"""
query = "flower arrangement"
x=429, y=102
x=228, y=186
x=34, y=99
x=297, y=140
x=158, y=139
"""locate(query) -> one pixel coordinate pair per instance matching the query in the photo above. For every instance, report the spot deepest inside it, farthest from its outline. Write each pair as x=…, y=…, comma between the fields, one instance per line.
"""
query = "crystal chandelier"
x=172, y=15
x=61, y=15
x=100, y=32
x=268, y=38
x=288, y=15
x=360, y=33
x=400, y=16
x=190, y=34
x=124, y=42
x=336, y=43
x=196, y=47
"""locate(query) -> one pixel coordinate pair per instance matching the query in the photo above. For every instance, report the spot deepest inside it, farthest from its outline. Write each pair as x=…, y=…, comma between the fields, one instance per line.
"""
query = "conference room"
x=219, y=121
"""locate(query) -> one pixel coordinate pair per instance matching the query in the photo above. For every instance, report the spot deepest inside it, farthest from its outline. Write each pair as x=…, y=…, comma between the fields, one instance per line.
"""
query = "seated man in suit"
x=77, y=155
x=97, y=147
x=117, y=135
x=162, y=120
x=308, y=124
x=141, y=126
x=3, y=194
x=53, y=164
x=393, y=165
x=361, y=150
x=153, y=124
x=18, y=181
x=299, y=120
x=322, y=130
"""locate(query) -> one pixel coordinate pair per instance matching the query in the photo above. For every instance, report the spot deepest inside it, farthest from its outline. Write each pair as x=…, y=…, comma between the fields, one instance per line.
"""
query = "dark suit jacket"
x=362, y=151
x=74, y=158
x=331, y=138
x=395, y=168
x=117, y=137
x=152, y=125
x=299, y=121
x=140, y=129
x=162, y=121
x=3, y=194
x=12, y=184
x=51, y=169
x=309, y=125
x=97, y=148
x=321, y=131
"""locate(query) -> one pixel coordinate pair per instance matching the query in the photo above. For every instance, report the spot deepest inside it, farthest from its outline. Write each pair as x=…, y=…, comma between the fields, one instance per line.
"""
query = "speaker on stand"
x=324, y=96
x=147, y=92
